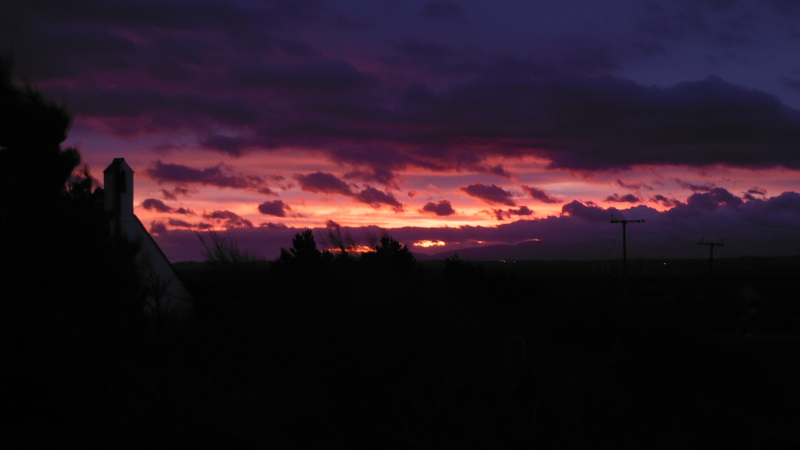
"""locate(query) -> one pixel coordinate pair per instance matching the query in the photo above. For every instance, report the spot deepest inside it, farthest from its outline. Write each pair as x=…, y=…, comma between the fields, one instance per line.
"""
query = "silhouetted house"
x=164, y=291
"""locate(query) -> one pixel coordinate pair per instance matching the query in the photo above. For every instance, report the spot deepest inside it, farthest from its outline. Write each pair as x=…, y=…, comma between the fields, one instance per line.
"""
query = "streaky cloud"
x=211, y=176
x=228, y=219
x=540, y=194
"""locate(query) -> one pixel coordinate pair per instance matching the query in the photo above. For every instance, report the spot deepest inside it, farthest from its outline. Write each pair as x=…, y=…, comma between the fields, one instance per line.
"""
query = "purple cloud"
x=382, y=176
x=160, y=227
x=692, y=123
x=440, y=208
x=786, y=202
x=619, y=123
x=211, y=176
x=234, y=65
x=694, y=187
x=183, y=224
x=627, y=198
x=323, y=183
x=634, y=186
x=751, y=194
x=491, y=194
x=540, y=194
x=722, y=196
x=498, y=170
x=274, y=226
x=668, y=202
x=175, y=192
x=328, y=183
x=376, y=198
x=157, y=228
x=500, y=214
x=229, y=219
x=702, y=201
x=274, y=208
x=590, y=213
x=378, y=164
x=154, y=204
x=709, y=201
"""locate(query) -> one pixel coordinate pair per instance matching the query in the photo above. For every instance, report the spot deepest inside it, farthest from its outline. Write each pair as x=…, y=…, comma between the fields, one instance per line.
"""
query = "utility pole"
x=711, y=246
x=625, y=242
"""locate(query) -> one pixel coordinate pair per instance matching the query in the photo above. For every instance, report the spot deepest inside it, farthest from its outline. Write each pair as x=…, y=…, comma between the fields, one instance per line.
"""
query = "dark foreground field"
x=451, y=354
x=500, y=355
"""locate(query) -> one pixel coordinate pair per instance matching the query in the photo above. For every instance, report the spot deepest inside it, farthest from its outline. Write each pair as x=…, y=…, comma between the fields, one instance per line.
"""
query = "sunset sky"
x=455, y=123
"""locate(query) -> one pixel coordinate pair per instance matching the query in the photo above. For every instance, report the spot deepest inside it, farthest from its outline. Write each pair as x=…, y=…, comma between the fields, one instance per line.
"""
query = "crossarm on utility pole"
x=625, y=242
x=711, y=246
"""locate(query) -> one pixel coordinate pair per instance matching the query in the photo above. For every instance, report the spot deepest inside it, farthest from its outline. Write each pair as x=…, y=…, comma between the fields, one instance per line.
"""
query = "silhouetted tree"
x=303, y=248
x=392, y=255
x=394, y=250
x=458, y=272
x=304, y=252
x=71, y=292
x=33, y=167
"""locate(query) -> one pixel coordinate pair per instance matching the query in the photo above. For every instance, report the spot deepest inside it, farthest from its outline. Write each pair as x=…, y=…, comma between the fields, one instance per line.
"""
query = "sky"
x=444, y=124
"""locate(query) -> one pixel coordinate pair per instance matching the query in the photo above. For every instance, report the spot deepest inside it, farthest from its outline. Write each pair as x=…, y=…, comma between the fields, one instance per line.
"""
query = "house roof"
x=116, y=164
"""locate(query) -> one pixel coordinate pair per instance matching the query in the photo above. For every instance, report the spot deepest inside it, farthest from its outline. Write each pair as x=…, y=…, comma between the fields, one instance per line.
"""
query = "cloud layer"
x=481, y=111
x=153, y=66
x=583, y=231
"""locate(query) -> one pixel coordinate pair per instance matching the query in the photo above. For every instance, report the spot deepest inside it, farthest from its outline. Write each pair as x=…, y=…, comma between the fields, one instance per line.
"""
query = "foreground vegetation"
x=378, y=350
x=322, y=350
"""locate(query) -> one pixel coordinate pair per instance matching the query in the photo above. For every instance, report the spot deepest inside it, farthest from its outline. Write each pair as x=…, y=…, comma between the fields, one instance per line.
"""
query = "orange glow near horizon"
x=426, y=244
x=355, y=249
x=417, y=187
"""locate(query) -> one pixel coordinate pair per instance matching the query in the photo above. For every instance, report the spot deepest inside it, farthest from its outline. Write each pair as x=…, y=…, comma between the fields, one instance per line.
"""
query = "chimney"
x=118, y=194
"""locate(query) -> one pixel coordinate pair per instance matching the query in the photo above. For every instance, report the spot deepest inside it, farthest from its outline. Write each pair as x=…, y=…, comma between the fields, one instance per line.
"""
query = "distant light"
x=502, y=260
x=427, y=244
x=665, y=264
x=532, y=240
